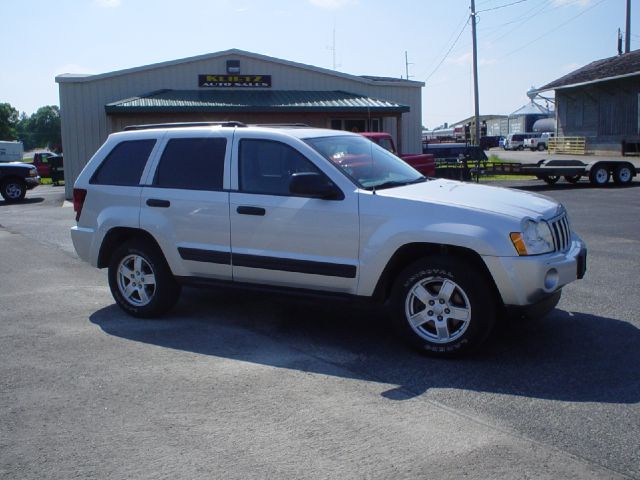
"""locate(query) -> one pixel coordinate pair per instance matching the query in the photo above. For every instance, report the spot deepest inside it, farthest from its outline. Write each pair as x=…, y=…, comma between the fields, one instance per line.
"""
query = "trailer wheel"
x=622, y=174
x=599, y=175
x=551, y=179
x=572, y=178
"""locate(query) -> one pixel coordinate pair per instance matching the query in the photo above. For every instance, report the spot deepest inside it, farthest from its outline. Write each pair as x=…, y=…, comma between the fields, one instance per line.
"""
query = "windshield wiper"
x=396, y=183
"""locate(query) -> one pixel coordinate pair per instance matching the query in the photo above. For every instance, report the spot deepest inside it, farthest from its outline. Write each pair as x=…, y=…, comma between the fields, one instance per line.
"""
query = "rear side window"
x=192, y=164
x=124, y=164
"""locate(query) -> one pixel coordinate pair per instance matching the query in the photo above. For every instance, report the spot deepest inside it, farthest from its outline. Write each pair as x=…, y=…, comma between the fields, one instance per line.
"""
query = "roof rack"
x=281, y=125
x=231, y=123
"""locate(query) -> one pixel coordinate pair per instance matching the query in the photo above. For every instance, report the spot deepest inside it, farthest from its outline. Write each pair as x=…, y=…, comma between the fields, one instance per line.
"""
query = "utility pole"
x=627, y=33
x=475, y=73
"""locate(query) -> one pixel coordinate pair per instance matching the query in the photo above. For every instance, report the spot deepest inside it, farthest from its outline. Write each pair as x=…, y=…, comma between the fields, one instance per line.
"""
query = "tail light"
x=79, y=194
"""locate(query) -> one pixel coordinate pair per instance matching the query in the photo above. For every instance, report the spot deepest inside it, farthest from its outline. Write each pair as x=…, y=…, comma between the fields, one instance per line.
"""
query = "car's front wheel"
x=140, y=280
x=13, y=189
x=442, y=306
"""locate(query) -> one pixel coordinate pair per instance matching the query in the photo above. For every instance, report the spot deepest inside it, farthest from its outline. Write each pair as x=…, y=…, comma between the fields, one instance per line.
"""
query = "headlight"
x=33, y=172
x=534, y=239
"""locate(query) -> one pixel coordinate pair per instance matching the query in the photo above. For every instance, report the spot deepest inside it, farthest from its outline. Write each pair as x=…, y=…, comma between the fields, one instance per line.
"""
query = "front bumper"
x=529, y=280
x=32, y=182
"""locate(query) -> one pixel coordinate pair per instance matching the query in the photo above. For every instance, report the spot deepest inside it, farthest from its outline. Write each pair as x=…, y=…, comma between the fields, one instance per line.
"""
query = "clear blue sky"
x=529, y=43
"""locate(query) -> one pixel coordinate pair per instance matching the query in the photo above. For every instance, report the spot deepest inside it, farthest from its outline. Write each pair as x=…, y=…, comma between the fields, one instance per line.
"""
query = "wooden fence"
x=572, y=145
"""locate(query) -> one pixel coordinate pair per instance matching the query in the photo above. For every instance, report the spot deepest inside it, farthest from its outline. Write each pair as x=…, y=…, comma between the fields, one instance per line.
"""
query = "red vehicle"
x=42, y=161
x=423, y=162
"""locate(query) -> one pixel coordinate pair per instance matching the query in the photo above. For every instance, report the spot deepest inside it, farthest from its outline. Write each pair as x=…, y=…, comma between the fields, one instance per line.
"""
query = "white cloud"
x=332, y=4
x=108, y=3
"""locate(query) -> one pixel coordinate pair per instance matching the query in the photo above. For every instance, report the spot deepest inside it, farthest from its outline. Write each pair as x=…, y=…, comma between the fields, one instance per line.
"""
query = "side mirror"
x=314, y=185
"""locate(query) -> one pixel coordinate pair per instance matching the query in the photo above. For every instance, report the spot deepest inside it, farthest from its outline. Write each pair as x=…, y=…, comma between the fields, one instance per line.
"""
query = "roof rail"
x=231, y=123
x=281, y=125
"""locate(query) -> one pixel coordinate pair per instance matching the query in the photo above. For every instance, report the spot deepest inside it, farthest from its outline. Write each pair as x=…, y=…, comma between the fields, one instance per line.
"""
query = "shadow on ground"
x=565, y=356
x=26, y=201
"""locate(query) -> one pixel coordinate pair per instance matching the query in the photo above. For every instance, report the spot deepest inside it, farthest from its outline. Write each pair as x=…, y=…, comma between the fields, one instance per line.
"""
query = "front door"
x=278, y=238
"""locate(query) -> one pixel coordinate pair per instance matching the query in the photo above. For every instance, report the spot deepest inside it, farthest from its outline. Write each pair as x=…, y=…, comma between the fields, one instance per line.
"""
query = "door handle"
x=155, y=202
x=245, y=210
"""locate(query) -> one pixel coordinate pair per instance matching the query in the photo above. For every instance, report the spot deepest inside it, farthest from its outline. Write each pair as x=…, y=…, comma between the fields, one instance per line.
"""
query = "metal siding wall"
x=86, y=126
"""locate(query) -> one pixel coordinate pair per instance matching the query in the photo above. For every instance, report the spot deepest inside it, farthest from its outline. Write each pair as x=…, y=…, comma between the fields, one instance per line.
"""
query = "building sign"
x=234, y=81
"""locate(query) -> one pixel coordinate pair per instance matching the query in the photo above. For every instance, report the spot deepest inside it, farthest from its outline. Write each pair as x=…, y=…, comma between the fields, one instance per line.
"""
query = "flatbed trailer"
x=599, y=172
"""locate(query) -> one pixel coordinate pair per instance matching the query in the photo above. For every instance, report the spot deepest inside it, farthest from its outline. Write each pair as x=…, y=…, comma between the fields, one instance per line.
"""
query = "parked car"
x=539, y=142
x=15, y=179
x=515, y=141
x=424, y=163
x=41, y=162
x=323, y=212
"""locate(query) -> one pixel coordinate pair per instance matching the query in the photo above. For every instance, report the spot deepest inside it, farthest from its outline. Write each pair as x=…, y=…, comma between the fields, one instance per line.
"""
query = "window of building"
x=266, y=166
x=124, y=164
x=192, y=164
x=357, y=124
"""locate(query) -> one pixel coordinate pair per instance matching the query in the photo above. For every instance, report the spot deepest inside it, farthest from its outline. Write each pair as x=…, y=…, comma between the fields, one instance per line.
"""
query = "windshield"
x=367, y=164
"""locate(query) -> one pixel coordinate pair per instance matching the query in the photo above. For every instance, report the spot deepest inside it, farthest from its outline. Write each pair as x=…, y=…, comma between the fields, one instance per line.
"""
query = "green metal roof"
x=173, y=101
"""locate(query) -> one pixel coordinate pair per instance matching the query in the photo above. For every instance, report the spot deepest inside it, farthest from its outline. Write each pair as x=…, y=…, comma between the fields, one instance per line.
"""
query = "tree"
x=8, y=122
x=44, y=127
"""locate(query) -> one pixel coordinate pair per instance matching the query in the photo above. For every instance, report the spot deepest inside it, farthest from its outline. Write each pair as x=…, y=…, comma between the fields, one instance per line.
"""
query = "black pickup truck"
x=15, y=179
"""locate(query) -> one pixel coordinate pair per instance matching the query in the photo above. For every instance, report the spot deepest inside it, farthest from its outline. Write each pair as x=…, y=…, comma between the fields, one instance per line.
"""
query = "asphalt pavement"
x=242, y=385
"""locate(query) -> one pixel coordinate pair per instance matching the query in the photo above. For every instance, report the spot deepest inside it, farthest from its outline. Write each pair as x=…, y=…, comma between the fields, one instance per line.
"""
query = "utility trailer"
x=598, y=171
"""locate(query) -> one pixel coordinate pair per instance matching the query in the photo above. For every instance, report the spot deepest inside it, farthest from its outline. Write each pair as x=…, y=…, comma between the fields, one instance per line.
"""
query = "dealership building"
x=232, y=85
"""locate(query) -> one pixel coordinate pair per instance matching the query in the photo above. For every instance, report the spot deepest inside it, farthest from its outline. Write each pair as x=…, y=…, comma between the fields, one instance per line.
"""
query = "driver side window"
x=266, y=166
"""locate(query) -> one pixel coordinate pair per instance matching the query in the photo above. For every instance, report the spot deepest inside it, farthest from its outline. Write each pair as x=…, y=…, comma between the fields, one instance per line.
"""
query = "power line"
x=448, y=51
x=501, y=6
x=549, y=32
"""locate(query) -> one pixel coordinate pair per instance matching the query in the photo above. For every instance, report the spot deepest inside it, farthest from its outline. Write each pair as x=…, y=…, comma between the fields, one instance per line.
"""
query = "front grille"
x=561, y=233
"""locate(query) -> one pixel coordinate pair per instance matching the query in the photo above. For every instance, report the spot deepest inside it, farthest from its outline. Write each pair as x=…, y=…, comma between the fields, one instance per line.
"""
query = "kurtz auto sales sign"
x=234, y=81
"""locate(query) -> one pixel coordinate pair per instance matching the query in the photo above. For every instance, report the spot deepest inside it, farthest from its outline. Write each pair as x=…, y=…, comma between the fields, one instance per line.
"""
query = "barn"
x=601, y=102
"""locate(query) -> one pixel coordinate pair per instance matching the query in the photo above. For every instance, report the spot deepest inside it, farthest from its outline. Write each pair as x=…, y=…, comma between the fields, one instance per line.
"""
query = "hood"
x=500, y=200
x=16, y=164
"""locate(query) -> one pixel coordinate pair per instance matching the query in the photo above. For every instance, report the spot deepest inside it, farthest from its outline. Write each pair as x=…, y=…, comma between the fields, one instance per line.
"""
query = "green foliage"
x=8, y=122
x=42, y=129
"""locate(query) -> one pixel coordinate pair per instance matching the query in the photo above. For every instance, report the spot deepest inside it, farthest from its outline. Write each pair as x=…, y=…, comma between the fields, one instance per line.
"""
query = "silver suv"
x=315, y=210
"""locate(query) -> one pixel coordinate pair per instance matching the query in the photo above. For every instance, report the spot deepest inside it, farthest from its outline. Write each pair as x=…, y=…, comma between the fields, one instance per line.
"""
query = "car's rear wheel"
x=140, y=280
x=442, y=306
x=13, y=189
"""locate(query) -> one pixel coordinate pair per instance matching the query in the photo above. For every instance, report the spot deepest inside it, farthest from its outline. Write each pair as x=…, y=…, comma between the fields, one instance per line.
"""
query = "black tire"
x=550, y=179
x=13, y=190
x=469, y=296
x=145, y=300
x=623, y=174
x=541, y=147
x=520, y=148
x=572, y=178
x=599, y=176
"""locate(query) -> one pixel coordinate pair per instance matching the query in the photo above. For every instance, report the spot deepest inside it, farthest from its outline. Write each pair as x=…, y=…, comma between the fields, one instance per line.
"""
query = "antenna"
x=406, y=64
x=333, y=49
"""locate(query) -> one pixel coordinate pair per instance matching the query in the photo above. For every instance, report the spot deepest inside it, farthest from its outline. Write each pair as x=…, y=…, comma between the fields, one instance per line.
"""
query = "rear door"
x=282, y=239
x=185, y=202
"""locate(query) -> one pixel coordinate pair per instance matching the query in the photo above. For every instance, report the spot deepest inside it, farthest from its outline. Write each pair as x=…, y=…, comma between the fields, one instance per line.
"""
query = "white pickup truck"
x=323, y=211
x=539, y=142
